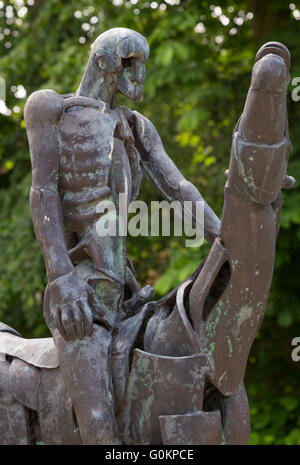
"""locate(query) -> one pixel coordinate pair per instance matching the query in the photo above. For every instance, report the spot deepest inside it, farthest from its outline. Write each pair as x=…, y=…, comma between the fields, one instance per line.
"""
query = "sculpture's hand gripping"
x=75, y=306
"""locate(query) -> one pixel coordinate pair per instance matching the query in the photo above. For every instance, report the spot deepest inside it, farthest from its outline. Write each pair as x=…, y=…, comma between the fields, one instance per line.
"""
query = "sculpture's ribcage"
x=86, y=144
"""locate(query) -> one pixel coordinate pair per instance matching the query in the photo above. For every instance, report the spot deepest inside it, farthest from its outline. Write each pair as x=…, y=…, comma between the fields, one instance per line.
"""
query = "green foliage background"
x=197, y=81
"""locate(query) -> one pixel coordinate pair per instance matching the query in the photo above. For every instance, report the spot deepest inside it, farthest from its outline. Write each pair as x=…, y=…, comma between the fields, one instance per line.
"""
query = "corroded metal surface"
x=199, y=428
x=157, y=338
x=237, y=418
x=159, y=385
x=256, y=174
x=122, y=348
x=121, y=369
x=56, y=414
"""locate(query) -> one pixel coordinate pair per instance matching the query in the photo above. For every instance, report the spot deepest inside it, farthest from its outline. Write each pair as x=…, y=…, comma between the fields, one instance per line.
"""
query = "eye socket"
x=127, y=62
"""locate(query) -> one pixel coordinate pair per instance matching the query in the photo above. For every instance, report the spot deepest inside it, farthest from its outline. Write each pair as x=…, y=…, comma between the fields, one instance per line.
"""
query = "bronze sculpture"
x=121, y=369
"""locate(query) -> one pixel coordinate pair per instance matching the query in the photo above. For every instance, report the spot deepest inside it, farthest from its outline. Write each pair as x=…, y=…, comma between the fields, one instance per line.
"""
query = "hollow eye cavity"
x=128, y=62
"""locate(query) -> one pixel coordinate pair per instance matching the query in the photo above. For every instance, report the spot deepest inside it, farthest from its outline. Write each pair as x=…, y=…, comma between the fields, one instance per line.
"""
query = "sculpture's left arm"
x=166, y=176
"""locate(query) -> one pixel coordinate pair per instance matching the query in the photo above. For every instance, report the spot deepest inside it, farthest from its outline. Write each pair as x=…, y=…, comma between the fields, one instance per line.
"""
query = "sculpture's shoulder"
x=144, y=123
x=146, y=135
x=131, y=115
x=43, y=107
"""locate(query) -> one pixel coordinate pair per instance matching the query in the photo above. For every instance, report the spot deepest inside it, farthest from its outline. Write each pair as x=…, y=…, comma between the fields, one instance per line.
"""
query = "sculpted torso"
x=86, y=144
x=90, y=135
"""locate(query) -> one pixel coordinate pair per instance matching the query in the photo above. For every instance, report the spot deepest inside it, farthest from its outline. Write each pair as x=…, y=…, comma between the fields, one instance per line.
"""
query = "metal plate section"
x=159, y=385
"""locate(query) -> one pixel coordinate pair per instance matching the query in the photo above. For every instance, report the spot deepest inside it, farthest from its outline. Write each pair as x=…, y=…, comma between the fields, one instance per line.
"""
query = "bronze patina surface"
x=120, y=368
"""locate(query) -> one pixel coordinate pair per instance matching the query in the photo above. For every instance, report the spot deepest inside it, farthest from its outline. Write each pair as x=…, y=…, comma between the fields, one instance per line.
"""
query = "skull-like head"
x=124, y=53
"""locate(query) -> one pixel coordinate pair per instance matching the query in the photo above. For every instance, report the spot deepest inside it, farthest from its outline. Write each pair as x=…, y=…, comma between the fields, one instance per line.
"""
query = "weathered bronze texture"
x=121, y=369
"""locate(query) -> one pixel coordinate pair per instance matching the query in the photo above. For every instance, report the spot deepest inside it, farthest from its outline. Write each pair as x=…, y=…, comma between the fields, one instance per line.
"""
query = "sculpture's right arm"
x=42, y=113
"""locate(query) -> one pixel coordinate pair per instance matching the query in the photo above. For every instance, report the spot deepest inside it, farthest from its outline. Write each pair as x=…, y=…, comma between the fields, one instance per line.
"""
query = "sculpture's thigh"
x=106, y=270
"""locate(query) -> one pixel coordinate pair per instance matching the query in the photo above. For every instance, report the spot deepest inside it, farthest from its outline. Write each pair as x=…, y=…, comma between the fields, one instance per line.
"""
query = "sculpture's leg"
x=55, y=411
x=86, y=368
x=104, y=268
x=86, y=364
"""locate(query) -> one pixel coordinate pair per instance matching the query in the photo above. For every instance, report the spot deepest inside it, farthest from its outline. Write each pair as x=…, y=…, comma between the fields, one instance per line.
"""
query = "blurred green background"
x=197, y=80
